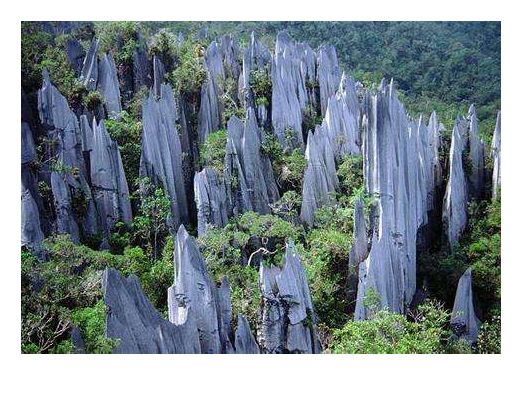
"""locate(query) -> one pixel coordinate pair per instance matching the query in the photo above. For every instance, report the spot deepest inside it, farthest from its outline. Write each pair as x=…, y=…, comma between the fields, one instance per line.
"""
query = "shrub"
x=212, y=151
x=190, y=74
x=91, y=322
x=260, y=83
x=350, y=174
x=93, y=100
x=489, y=338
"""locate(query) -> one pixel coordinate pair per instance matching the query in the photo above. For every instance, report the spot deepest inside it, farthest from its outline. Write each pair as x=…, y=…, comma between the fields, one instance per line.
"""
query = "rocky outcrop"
x=255, y=57
x=89, y=71
x=158, y=75
x=244, y=339
x=161, y=156
x=434, y=142
x=75, y=54
x=341, y=120
x=195, y=295
x=211, y=200
x=394, y=174
x=288, y=94
x=496, y=157
x=108, y=85
x=31, y=232
x=464, y=321
x=359, y=249
x=476, y=176
x=320, y=178
x=135, y=325
x=141, y=70
x=72, y=196
x=328, y=74
x=287, y=315
x=454, y=214
x=108, y=181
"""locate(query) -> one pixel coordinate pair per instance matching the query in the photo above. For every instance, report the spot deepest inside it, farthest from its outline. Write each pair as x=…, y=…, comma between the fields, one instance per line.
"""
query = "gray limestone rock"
x=395, y=175
x=464, y=321
x=255, y=57
x=77, y=340
x=89, y=71
x=161, y=156
x=476, y=177
x=195, y=294
x=287, y=315
x=135, y=325
x=75, y=54
x=141, y=70
x=108, y=85
x=244, y=340
x=454, y=214
x=328, y=74
x=320, y=178
x=108, y=181
x=72, y=195
x=496, y=157
x=158, y=75
x=211, y=200
x=359, y=249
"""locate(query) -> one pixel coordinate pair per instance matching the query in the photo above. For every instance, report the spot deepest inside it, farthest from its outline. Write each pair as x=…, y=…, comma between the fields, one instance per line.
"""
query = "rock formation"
x=211, y=200
x=320, y=178
x=359, y=249
x=394, y=173
x=496, y=157
x=244, y=339
x=158, y=75
x=464, y=321
x=161, y=157
x=328, y=74
x=75, y=54
x=195, y=295
x=135, y=325
x=89, y=72
x=72, y=196
x=255, y=57
x=108, y=85
x=287, y=315
x=108, y=181
x=456, y=193
x=476, y=176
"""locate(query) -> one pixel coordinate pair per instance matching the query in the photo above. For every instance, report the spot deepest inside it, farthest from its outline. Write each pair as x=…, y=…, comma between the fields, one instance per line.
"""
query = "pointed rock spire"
x=161, y=156
x=463, y=319
x=328, y=74
x=244, y=341
x=89, y=71
x=109, y=85
x=496, y=157
x=476, y=176
x=136, y=326
x=359, y=249
x=211, y=200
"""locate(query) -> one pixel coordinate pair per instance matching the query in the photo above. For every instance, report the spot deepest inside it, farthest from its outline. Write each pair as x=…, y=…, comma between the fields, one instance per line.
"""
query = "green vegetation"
x=212, y=151
x=189, y=75
x=388, y=333
x=93, y=100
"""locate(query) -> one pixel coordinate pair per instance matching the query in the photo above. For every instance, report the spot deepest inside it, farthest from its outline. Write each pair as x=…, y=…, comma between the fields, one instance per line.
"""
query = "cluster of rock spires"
x=401, y=165
x=200, y=313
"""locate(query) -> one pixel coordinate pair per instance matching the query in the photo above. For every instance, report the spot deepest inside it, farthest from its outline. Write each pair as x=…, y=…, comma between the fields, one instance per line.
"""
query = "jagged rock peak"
x=109, y=85
x=455, y=201
x=287, y=314
x=68, y=172
x=320, y=178
x=393, y=152
x=476, y=177
x=135, y=325
x=496, y=157
x=211, y=200
x=328, y=74
x=161, y=156
x=108, y=181
x=89, y=72
x=194, y=294
x=464, y=321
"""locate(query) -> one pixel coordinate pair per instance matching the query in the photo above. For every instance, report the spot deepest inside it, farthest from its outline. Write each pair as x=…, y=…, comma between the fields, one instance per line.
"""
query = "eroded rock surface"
x=464, y=321
x=496, y=157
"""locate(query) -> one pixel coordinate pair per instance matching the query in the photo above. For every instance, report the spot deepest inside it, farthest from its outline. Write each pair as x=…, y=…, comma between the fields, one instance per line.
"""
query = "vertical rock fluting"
x=341, y=120
x=464, y=321
x=288, y=94
x=161, y=156
x=255, y=57
x=476, y=175
x=108, y=181
x=320, y=178
x=328, y=74
x=72, y=196
x=211, y=200
x=31, y=232
x=89, y=71
x=108, y=85
x=496, y=157
x=195, y=295
x=454, y=214
x=394, y=173
x=359, y=249
x=244, y=339
x=135, y=325
x=287, y=322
